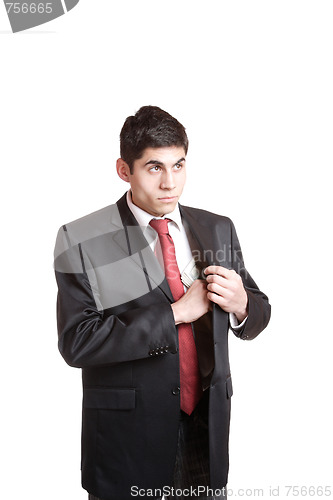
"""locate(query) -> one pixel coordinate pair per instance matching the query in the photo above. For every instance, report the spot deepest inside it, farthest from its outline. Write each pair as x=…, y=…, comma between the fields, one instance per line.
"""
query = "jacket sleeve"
x=259, y=309
x=91, y=336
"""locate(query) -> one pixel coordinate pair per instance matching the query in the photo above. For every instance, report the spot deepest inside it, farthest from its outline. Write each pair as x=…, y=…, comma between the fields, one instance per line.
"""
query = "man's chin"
x=168, y=207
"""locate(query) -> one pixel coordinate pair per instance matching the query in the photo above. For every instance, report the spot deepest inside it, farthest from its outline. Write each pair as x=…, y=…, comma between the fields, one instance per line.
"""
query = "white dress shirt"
x=178, y=234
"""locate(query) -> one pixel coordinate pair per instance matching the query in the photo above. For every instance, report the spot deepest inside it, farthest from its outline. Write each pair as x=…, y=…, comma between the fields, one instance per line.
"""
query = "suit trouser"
x=192, y=458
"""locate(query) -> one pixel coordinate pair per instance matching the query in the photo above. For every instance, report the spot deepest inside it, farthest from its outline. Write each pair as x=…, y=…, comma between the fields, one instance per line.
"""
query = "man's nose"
x=168, y=181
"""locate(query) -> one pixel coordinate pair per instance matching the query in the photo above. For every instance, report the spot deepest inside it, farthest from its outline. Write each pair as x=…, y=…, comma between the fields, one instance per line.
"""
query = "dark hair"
x=150, y=127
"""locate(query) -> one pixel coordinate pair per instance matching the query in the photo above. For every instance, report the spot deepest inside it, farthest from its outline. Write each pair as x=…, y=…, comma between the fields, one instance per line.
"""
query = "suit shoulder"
x=96, y=215
x=206, y=217
x=99, y=222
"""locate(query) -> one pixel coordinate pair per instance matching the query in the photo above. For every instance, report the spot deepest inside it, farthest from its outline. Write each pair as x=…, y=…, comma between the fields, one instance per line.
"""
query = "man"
x=148, y=289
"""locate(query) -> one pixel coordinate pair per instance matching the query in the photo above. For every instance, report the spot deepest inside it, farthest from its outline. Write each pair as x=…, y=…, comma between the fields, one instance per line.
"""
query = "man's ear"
x=123, y=170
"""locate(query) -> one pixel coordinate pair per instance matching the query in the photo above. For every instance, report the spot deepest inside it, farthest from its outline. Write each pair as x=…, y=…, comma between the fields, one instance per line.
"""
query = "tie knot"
x=160, y=225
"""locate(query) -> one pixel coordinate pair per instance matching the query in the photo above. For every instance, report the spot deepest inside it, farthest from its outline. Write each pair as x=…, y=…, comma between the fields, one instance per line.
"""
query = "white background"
x=252, y=82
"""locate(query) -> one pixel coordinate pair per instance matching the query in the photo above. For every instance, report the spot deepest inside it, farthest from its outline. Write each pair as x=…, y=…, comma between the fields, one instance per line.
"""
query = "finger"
x=215, y=278
x=219, y=270
x=219, y=290
x=197, y=283
x=217, y=299
x=202, y=283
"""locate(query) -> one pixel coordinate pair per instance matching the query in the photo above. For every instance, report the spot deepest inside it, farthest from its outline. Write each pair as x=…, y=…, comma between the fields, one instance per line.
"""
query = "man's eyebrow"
x=154, y=162
x=157, y=162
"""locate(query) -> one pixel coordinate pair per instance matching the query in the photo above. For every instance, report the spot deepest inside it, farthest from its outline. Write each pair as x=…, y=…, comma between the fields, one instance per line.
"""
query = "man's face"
x=158, y=179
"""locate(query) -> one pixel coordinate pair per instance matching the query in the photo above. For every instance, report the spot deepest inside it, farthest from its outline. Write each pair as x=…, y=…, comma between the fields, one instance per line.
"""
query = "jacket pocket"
x=229, y=389
x=109, y=398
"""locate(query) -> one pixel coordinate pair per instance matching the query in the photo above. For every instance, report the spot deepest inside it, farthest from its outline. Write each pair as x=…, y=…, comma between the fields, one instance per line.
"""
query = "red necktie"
x=190, y=385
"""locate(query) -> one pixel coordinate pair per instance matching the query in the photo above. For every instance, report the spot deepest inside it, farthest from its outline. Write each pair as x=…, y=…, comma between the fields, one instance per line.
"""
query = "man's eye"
x=178, y=166
x=155, y=168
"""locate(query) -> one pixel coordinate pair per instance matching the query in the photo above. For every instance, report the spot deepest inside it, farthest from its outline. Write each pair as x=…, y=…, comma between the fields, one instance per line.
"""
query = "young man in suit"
x=148, y=290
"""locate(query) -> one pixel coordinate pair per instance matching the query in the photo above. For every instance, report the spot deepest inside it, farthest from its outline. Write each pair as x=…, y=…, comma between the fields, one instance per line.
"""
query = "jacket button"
x=176, y=391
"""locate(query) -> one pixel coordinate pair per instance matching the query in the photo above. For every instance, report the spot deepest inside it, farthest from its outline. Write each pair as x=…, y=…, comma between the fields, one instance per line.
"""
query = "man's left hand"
x=225, y=288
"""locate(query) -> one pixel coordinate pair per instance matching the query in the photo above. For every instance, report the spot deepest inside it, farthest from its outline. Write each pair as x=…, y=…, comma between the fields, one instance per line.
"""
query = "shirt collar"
x=144, y=217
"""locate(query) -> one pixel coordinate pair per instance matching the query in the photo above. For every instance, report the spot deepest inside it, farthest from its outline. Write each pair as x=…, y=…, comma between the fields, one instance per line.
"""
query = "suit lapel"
x=199, y=236
x=132, y=242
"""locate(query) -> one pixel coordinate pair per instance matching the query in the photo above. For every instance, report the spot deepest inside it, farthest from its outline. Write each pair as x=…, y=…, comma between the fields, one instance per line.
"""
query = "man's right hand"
x=193, y=304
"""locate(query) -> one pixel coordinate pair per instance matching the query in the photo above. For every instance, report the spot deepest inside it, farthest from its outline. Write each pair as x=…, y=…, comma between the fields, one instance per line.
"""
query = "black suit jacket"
x=115, y=321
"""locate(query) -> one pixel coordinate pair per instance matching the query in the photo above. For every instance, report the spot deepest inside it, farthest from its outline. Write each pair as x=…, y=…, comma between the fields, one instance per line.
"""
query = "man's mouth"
x=168, y=198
